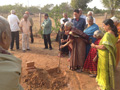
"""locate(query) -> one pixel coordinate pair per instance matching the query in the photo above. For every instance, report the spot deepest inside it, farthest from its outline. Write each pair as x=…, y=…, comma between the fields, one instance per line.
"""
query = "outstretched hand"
x=61, y=46
x=92, y=45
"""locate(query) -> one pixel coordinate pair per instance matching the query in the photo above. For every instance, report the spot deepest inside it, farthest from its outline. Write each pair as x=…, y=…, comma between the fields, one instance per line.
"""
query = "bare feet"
x=68, y=59
x=98, y=88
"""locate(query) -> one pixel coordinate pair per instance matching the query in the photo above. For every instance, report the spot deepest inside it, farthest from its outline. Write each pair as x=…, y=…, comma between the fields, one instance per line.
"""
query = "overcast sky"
x=41, y=3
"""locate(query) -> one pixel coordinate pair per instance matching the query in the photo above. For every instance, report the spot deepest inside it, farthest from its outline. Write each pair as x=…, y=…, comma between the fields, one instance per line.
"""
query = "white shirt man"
x=90, y=13
x=13, y=21
x=25, y=29
x=14, y=26
x=65, y=17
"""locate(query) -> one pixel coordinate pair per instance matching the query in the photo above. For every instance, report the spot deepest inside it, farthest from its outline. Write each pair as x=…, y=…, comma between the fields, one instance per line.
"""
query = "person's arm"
x=95, y=58
x=43, y=24
x=70, y=41
x=17, y=20
x=118, y=41
x=98, y=46
x=21, y=27
x=63, y=41
x=29, y=26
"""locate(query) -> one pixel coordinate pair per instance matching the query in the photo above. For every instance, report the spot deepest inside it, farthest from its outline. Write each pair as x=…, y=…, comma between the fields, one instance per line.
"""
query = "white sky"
x=41, y=3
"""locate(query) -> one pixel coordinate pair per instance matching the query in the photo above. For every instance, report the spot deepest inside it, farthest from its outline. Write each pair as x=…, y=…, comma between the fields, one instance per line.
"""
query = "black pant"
x=47, y=40
x=15, y=36
x=31, y=35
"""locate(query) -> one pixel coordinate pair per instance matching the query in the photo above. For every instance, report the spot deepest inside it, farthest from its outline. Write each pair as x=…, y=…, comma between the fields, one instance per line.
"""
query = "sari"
x=89, y=65
x=118, y=47
x=10, y=71
x=90, y=31
x=107, y=62
x=78, y=49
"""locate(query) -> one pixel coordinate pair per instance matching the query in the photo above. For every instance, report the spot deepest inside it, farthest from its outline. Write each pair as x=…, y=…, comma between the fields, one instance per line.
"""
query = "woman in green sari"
x=106, y=57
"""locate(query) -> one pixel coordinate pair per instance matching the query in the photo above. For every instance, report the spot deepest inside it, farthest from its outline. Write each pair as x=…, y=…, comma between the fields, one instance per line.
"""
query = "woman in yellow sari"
x=107, y=57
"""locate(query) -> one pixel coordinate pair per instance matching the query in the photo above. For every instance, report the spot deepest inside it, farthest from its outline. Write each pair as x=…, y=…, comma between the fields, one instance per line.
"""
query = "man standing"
x=64, y=19
x=78, y=22
x=81, y=14
x=47, y=31
x=90, y=13
x=14, y=26
x=31, y=22
x=25, y=29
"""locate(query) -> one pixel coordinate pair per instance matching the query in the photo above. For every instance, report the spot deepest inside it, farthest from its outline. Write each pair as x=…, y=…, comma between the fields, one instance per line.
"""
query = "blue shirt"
x=79, y=24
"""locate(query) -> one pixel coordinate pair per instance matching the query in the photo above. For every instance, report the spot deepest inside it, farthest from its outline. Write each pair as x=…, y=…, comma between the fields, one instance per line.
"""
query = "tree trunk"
x=112, y=12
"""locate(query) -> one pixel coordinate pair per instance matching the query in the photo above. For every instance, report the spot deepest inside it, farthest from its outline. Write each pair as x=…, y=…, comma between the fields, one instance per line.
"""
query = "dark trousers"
x=31, y=35
x=64, y=37
x=47, y=40
x=15, y=36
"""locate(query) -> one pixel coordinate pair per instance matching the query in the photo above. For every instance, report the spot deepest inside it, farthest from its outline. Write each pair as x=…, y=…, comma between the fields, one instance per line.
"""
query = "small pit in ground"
x=41, y=79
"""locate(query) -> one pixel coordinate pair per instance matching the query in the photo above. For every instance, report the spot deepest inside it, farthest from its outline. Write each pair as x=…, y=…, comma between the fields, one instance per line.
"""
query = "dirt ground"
x=46, y=76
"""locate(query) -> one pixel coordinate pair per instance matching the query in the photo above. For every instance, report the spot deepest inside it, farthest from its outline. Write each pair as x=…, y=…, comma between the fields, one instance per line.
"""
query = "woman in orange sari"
x=117, y=24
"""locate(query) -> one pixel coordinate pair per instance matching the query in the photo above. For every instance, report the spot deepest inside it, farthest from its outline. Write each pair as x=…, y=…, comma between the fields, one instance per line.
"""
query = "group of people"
x=25, y=25
x=92, y=50
x=88, y=47
x=10, y=66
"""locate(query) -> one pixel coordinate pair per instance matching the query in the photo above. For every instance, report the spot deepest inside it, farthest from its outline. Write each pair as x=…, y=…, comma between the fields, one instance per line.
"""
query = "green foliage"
x=19, y=8
x=47, y=8
x=79, y=4
x=56, y=14
x=112, y=5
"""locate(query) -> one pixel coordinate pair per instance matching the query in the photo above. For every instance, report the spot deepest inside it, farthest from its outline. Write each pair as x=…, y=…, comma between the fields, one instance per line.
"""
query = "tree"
x=79, y=4
x=47, y=8
x=112, y=5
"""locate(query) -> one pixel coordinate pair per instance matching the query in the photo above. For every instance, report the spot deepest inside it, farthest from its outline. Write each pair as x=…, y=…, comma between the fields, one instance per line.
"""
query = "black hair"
x=77, y=11
x=113, y=27
x=46, y=14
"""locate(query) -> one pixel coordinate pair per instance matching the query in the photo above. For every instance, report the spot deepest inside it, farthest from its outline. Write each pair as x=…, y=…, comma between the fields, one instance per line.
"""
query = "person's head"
x=68, y=26
x=12, y=11
x=90, y=13
x=26, y=12
x=108, y=25
x=115, y=20
x=25, y=16
x=76, y=13
x=80, y=11
x=5, y=33
x=90, y=20
x=46, y=16
x=65, y=15
x=98, y=34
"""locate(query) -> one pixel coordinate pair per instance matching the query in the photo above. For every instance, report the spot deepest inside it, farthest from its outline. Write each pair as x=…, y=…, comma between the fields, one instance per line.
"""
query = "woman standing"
x=106, y=57
x=92, y=27
x=117, y=24
x=90, y=64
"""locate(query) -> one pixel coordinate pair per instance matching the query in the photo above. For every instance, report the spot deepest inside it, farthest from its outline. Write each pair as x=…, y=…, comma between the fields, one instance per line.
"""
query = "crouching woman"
x=77, y=43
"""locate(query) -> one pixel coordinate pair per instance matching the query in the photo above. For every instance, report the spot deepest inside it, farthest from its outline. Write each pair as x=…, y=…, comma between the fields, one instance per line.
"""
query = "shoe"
x=18, y=49
x=79, y=71
x=50, y=48
x=24, y=51
x=45, y=48
x=92, y=75
x=28, y=49
x=12, y=50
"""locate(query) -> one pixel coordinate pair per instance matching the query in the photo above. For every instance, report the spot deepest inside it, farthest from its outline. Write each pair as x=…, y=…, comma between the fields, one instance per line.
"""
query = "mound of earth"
x=41, y=79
